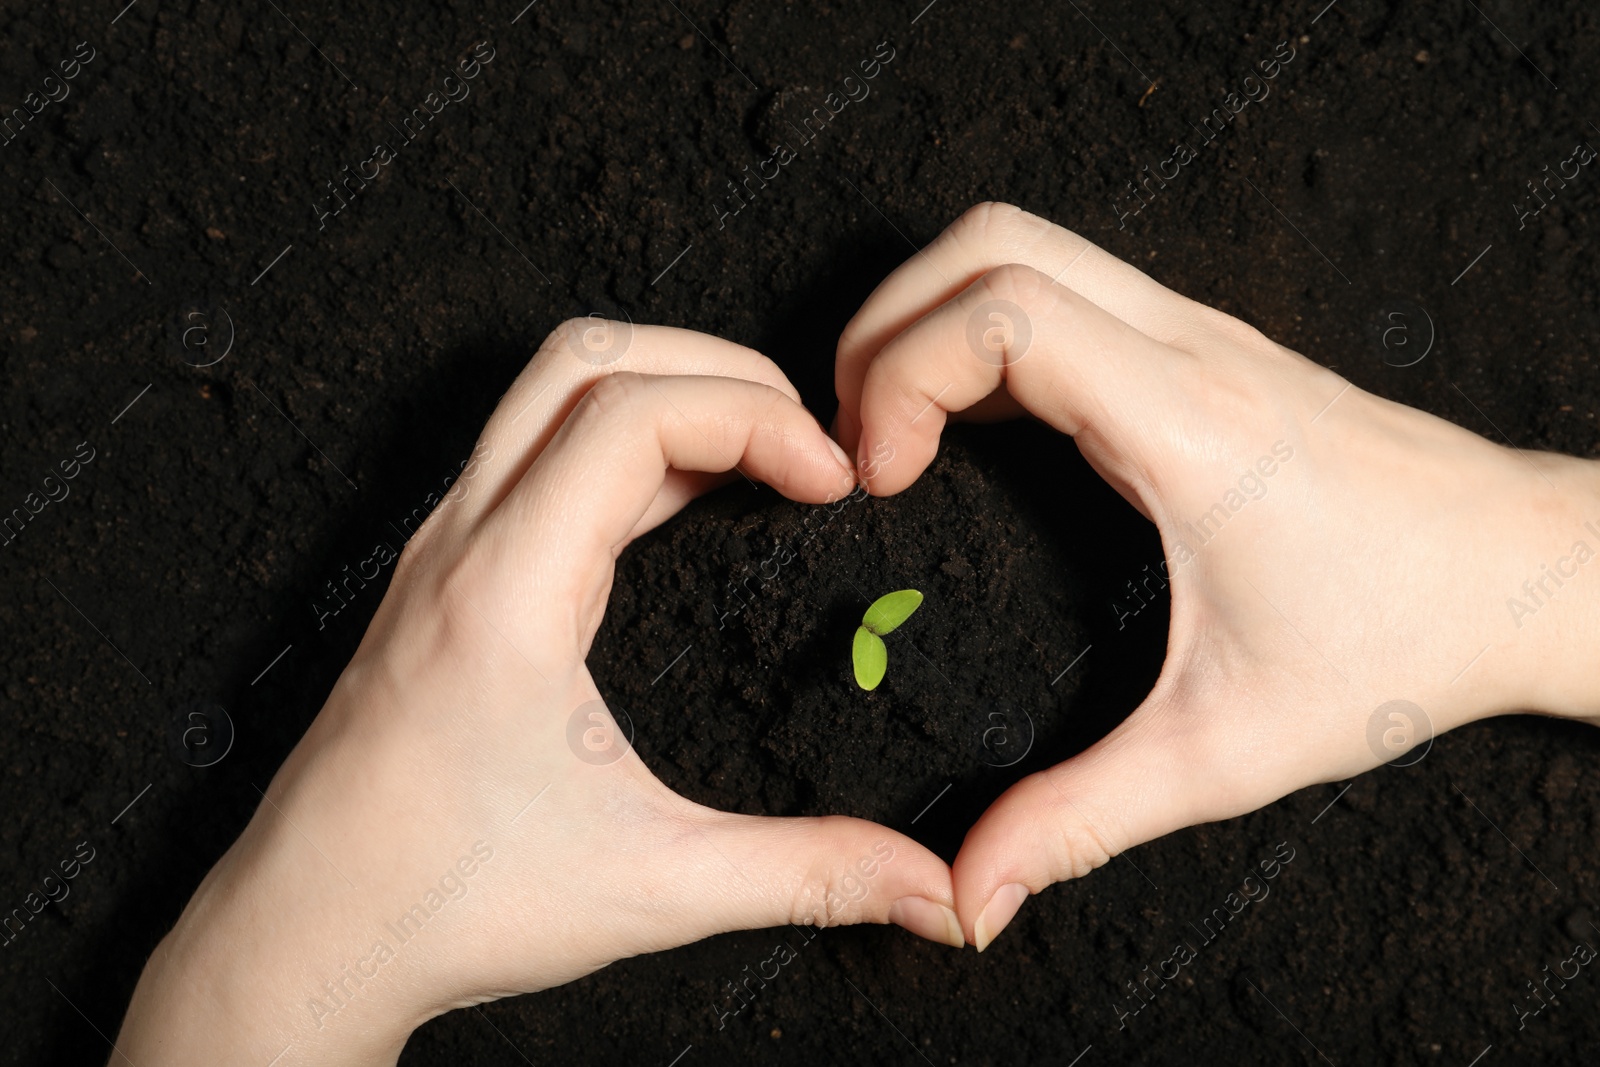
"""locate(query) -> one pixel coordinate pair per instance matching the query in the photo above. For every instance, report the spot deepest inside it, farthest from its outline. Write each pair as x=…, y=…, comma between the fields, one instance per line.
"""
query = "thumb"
x=1143, y=780
x=827, y=871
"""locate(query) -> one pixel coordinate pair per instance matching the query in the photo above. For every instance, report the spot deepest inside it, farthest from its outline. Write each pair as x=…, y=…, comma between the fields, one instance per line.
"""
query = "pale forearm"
x=254, y=966
x=203, y=1000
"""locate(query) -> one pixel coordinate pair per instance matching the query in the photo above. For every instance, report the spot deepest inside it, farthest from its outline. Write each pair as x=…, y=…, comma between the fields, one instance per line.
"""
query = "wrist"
x=258, y=966
x=1550, y=606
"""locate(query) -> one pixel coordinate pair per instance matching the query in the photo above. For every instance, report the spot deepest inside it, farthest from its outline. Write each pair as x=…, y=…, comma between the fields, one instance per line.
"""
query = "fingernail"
x=838, y=454
x=1000, y=910
x=927, y=919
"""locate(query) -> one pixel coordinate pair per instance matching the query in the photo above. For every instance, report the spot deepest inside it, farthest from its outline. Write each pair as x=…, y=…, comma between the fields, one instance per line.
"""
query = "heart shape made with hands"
x=746, y=701
x=723, y=646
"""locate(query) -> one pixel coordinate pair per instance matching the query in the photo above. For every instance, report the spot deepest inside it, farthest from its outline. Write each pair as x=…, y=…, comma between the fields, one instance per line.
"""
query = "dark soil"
x=195, y=147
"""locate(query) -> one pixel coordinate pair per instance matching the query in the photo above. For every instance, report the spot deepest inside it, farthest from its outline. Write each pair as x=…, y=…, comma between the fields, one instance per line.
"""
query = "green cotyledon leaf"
x=871, y=658
x=890, y=610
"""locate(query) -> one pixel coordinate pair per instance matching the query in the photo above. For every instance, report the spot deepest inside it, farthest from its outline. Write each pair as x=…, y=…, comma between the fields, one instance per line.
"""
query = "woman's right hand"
x=464, y=819
x=1329, y=552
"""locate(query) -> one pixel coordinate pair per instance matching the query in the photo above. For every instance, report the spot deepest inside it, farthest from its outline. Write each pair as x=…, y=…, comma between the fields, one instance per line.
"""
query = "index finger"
x=563, y=525
x=1067, y=360
x=986, y=237
x=577, y=354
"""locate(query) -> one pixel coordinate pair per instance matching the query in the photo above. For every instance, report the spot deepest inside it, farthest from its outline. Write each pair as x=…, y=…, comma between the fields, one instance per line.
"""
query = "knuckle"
x=413, y=553
x=614, y=396
x=1221, y=325
x=592, y=341
x=829, y=896
x=820, y=904
x=434, y=535
x=1079, y=837
x=1244, y=396
x=995, y=222
x=1004, y=231
x=567, y=329
x=1080, y=848
x=1017, y=282
x=562, y=339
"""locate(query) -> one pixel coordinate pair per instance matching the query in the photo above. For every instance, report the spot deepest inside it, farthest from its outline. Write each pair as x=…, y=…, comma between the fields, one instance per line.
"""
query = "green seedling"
x=868, y=651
